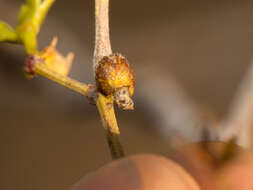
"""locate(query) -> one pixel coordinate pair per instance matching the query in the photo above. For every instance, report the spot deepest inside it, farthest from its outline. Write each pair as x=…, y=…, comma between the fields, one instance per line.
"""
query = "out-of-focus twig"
x=7, y=33
x=30, y=18
x=239, y=120
x=178, y=117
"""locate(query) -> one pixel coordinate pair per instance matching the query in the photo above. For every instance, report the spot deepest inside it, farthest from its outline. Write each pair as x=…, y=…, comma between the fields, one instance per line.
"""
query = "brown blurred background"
x=50, y=137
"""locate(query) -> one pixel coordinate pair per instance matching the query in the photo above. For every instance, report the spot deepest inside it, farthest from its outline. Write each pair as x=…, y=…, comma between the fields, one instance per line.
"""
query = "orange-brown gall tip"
x=113, y=73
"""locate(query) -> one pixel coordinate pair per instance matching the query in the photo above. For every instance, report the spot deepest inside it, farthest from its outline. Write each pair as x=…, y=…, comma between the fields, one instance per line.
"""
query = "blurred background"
x=189, y=58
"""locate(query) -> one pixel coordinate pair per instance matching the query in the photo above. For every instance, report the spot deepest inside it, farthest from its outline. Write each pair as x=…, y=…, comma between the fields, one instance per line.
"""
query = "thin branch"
x=74, y=85
x=7, y=34
x=106, y=111
x=102, y=36
x=44, y=7
x=105, y=104
x=30, y=19
x=239, y=121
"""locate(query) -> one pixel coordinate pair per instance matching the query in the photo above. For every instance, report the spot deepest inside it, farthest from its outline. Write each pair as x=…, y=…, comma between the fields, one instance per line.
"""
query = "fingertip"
x=120, y=174
x=157, y=173
x=139, y=172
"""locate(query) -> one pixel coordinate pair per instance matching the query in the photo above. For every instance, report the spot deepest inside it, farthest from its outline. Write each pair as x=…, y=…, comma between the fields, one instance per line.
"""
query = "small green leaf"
x=7, y=34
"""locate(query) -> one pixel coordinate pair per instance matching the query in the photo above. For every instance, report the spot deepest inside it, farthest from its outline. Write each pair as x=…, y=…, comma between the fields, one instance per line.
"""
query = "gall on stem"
x=114, y=79
x=114, y=76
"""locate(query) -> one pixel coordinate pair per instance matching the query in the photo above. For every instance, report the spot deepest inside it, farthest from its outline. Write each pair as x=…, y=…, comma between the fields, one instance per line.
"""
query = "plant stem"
x=30, y=18
x=106, y=111
x=102, y=36
x=105, y=104
x=238, y=122
x=41, y=69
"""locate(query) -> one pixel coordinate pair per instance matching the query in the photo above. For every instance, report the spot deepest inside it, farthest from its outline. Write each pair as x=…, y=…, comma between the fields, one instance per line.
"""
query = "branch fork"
x=114, y=76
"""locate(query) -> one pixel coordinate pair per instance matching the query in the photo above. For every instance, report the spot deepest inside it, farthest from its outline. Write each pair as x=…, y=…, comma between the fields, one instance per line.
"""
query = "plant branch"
x=44, y=7
x=74, y=85
x=30, y=19
x=239, y=120
x=106, y=111
x=7, y=34
x=105, y=104
x=31, y=16
x=102, y=36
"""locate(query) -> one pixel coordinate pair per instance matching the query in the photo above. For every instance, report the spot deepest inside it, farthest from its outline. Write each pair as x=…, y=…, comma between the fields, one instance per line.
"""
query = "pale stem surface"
x=102, y=38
